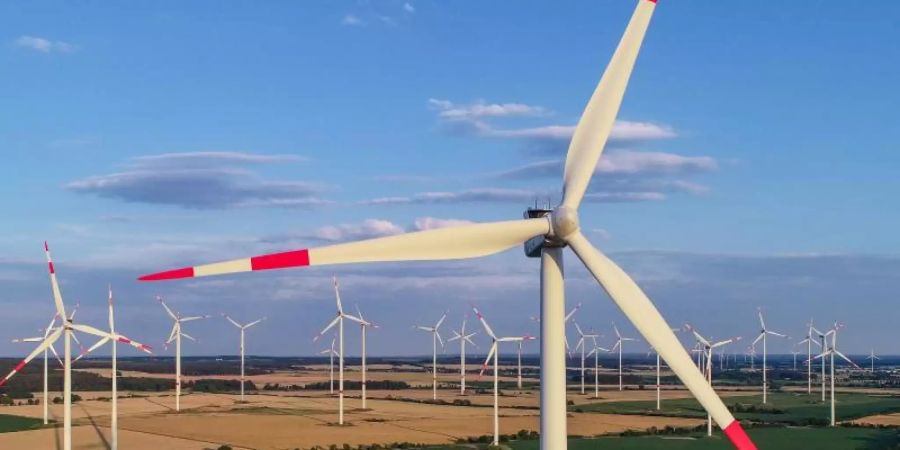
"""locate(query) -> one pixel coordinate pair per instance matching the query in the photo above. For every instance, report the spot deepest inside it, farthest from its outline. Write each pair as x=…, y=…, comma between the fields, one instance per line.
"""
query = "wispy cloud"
x=477, y=195
x=480, y=109
x=351, y=20
x=44, y=45
x=367, y=229
x=408, y=7
x=621, y=162
x=201, y=180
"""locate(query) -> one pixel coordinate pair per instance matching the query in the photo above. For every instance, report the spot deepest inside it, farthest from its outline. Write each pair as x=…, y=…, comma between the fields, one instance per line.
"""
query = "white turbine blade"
x=75, y=338
x=455, y=336
x=487, y=328
x=57, y=295
x=428, y=329
x=836, y=352
x=50, y=326
x=192, y=318
x=172, y=333
x=776, y=334
x=573, y=311
x=53, y=350
x=231, y=320
x=648, y=321
x=37, y=350
x=578, y=329
x=359, y=312
x=355, y=319
x=468, y=339
x=758, y=338
x=97, y=345
x=31, y=339
x=616, y=329
x=594, y=350
x=615, y=346
x=168, y=310
x=328, y=327
x=337, y=295
x=465, y=241
x=440, y=340
x=822, y=355
x=112, y=324
x=188, y=336
x=88, y=330
x=762, y=323
x=440, y=321
x=488, y=359
x=262, y=319
x=599, y=116
x=125, y=340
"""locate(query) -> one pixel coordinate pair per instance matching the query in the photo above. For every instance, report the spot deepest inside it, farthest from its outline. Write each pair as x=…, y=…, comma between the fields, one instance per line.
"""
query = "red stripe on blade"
x=50, y=265
x=124, y=340
x=295, y=258
x=185, y=272
x=739, y=437
x=19, y=366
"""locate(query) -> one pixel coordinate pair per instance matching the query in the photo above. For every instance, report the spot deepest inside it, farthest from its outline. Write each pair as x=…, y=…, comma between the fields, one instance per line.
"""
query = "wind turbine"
x=708, y=347
x=596, y=352
x=462, y=337
x=809, y=341
x=495, y=353
x=243, y=329
x=114, y=338
x=363, y=324
x=339, y=321
x=331, y=354
x=619, y=344
x=435, y=338
x=545, y=232
x=47, y=332
x=658, y=377
x=763, y=331
x=873, y=358
x=795, y=353
x=830, y=352
x=823, y=339
x=175, y=335
x=567, y=319
x=582, y=344
x=66, y=330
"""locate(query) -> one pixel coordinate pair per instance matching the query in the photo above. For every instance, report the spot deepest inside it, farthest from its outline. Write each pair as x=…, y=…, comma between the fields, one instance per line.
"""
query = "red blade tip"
x=739, y=437
x=185, y=272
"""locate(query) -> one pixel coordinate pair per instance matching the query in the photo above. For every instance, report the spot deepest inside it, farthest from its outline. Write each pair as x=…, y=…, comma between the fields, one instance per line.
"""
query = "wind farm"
x=617, y=186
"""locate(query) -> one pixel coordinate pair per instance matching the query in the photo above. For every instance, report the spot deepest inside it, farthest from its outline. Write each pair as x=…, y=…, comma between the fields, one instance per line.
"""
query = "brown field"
x=892, y=420
x=284, y=419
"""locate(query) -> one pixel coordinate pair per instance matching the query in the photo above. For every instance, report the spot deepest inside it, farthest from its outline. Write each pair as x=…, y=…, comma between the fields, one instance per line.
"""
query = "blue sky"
x=754, y=163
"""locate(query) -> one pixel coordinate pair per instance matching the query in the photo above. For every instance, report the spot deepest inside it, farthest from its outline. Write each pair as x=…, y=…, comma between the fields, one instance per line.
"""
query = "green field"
x=17, y=423
x=770, y=438
x=783, y=408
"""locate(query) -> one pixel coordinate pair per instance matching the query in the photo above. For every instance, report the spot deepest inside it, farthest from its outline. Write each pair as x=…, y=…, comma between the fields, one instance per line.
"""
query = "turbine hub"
x=564, y=221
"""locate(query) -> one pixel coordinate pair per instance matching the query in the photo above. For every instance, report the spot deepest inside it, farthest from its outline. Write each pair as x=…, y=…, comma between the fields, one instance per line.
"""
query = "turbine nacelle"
x=563, y=223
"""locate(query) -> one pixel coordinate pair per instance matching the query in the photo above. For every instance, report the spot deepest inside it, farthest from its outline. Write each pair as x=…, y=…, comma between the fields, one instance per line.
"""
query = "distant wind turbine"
x=809, y=340
x=462, y=337
x=582, y=344
x=830, y=352
x=763, y=332
x=50, y=328
x=331, y=354
x=243, y=329
x=619, y=341
x=873, y=358
x=176, y=335
x=435, y=339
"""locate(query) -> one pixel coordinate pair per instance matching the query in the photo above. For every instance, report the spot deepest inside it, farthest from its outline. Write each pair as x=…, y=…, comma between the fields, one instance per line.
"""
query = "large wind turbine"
x=114, y=338
x=708, y=347
x=339, y=321
x=545, y=233
x=462, y=337
x=495, y=353
x=243, y=329
x=619, y=344
x=435, y=339
x=66, y=330
x=763, y=332
x=175, y=335
x=363, y=325
x=830, y=352
x=47, y=332
x=809, y=341
x=582, y=344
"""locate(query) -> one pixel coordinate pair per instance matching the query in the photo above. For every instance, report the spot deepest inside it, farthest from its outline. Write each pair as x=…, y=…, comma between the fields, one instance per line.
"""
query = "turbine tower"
x=175, y=335
x=339, y=321
x=596, y=352
x=545, y=233
x=872, y=357
x=830, y=352
x=763, y=332
x=494, y=352
x=114, y=338
x=582, y=344
x=708, y=347
x=435, y=339
x=462, y=337
x=619, y=344
x=66, y=331
x=363, y=325
x=809, y=340
x=243, y=329
x=331, y=354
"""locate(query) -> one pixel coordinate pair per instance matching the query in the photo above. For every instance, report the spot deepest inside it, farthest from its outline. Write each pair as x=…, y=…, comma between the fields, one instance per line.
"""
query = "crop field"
x=10, y=423
x=775, y=438
x=782, y=408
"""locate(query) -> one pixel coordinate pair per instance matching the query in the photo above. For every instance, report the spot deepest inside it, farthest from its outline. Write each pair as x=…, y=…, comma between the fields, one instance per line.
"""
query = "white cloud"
x=432, y=223
x=450, y=111
x=408, y=7
x=352, y=21
x=369, y=228
x=44, y=45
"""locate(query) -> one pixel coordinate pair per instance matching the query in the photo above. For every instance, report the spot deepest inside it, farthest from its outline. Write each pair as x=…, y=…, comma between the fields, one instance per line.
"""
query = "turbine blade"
x=758, y=338
x=487, y=328
x=112, y=324
x=57, y=295
x=599, y=116
x=168, y=310
x=188, y=336
x=328, y=327
x=337, y=295
x=440, y=340
x=142, y=347
x=37, y=350
x=845, y=358
x=488, y=359
x=439, y=322
x=231, y=320
x=466, y=241
x=648, y=321
x=192, y=318
x=97, y=345
x=254, y=322
x=53, y=350
x=573, y=311
x=88, y=330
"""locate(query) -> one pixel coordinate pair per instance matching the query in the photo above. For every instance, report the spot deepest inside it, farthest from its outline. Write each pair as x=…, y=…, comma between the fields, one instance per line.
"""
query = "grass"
x=782, y=407
x=9, y=424
x=770, y=438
